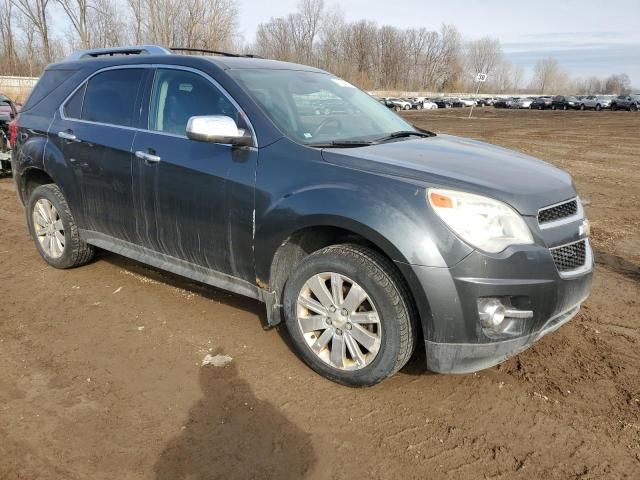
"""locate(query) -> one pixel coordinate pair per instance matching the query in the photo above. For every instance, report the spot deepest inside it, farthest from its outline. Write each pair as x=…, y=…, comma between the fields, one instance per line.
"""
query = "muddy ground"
x=100, y=374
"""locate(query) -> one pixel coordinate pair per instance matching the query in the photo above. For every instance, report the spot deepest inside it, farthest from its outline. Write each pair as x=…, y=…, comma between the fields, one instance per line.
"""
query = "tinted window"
x=179, y=95
x=73, y=107
x=111, y=97
x=49, y=81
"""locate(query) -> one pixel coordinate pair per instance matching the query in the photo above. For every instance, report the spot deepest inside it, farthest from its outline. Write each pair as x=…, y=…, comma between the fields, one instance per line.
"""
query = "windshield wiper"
x=342, y=144
x=405, y=133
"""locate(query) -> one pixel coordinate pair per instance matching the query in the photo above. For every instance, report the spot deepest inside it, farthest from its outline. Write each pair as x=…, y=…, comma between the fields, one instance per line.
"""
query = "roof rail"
x=109, y=52
x=213, y=52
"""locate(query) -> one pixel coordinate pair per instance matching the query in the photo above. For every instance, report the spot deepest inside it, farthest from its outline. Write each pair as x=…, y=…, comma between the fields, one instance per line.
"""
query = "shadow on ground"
x=230, y=434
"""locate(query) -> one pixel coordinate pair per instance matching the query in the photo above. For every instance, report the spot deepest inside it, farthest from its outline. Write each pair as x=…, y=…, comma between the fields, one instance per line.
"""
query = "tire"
x=553, y=107
x=614, y=107
x=71, y=251
x=387, y=300
x=582, y=107
x=565, y=107
x=407, y=107
x=633, y=107
x=598, y=107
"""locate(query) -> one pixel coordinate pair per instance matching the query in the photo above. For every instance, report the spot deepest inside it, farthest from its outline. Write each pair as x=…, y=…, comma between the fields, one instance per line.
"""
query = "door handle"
x=147, y=157
x=68, y=136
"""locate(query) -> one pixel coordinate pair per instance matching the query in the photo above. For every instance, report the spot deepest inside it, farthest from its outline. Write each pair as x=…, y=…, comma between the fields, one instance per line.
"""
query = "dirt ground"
x=100, y=374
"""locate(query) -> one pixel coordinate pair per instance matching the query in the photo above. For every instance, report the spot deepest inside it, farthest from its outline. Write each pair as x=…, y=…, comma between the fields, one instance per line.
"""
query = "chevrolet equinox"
x=361, y=233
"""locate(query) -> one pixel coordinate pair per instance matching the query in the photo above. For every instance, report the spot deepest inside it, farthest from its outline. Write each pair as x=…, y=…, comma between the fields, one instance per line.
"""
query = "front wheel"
x=349, y=315
x=54, y=230
x=598, y=107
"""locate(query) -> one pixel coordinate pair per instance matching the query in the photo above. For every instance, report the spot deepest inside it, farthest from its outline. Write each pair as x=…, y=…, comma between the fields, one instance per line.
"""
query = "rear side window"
x=73, y=107
x=179, y=95
x=49, y=81
x=110, y=97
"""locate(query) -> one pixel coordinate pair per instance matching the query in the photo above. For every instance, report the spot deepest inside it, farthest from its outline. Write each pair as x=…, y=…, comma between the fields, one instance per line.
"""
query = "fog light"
x=491, y=311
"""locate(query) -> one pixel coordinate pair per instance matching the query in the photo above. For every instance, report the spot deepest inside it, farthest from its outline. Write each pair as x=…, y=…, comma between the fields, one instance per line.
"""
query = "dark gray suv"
x=361, y=233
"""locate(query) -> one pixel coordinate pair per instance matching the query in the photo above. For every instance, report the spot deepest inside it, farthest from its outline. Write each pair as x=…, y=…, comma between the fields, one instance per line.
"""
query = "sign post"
x=480, y=79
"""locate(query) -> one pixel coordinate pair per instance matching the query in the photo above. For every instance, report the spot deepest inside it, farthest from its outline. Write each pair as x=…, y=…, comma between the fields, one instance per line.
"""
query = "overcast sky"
x=588, y=37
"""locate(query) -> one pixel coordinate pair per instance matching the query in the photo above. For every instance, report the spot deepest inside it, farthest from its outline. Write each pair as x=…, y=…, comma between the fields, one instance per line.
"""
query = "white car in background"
x=524, y=102
x=429, y=105
x=468, y=102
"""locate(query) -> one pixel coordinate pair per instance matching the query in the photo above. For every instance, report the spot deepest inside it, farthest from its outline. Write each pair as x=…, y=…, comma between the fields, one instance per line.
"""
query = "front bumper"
x=455, y=339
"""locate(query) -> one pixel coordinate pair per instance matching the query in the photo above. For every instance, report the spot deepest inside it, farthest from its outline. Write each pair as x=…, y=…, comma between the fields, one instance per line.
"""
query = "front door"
x=195, y=199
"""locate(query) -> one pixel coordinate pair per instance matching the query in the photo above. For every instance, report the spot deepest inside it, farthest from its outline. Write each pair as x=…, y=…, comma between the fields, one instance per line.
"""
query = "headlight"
x=482, y=222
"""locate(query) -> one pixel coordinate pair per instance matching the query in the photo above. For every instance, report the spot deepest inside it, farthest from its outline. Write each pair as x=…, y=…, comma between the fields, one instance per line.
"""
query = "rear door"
x=96, y=133
x=195, y=198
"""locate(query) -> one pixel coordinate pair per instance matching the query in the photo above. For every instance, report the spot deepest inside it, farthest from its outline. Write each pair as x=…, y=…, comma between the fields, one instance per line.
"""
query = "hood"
x=524, y=182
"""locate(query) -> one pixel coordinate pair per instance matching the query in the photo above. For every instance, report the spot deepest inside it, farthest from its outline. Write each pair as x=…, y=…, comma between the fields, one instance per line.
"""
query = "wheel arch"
x=313, y=237
x=30, y=179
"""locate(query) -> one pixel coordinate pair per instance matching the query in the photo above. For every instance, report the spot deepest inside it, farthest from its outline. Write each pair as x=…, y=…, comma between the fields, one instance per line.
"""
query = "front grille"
x=570, y=256
x=557, y=212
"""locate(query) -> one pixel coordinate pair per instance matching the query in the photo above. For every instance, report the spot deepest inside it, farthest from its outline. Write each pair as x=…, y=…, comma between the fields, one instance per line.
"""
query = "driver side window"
x=178, y=95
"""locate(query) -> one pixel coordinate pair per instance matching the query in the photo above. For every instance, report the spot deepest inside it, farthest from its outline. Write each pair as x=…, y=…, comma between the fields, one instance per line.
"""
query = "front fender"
x=391, y=214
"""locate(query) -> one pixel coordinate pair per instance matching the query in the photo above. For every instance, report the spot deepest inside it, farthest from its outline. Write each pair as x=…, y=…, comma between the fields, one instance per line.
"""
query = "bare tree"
x=482, y=56
x=518, y=78
x=548, y=76
x=618, y=84
x=37, y=12
x=77, y=11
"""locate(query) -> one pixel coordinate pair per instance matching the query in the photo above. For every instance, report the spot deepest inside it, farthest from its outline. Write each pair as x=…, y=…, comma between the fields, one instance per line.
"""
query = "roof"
x=158, y=54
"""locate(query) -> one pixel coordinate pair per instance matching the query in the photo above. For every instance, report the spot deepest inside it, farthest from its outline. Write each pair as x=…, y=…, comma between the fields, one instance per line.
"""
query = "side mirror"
x=217, y=129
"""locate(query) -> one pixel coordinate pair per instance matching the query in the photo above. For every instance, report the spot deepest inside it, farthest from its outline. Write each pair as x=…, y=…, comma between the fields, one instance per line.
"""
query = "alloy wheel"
x=48, y=228
x=339, y=321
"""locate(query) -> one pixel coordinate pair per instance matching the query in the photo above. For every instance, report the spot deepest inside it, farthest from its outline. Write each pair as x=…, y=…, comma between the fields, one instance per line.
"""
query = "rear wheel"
x=54, y=230
x=598, y=107
x=349, y=315
x=582, y=107
x=553, y=107
x=565, y=107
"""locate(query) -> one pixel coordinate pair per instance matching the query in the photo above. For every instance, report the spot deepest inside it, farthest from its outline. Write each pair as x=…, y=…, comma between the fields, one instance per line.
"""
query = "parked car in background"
x=399, y=103
x=457, y=102
x=8, y=112
x=595, y=102
x=416, y=104
x=429, y=105
x=562, y=102
x=484, y=102
x=524, y=102
x=443, y=102
x=468, y=102
x=362, y=235
x=626, y=102
x=541, y=103
x=503, y=103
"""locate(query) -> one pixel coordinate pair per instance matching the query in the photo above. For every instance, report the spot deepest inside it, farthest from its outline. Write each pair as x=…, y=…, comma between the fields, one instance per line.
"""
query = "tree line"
x=372, y=56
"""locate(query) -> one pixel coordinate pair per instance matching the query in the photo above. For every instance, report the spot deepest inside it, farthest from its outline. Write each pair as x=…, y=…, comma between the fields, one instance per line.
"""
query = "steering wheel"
x=326, y=122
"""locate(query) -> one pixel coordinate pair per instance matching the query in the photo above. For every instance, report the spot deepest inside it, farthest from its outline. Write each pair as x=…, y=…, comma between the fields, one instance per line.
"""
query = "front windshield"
x=318, y=108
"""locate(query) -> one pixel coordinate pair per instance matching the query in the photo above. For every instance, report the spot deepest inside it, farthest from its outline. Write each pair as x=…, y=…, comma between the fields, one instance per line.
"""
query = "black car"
x=443, y=102
x=561, y=102
x=541, y=103
x=362, y=234
x=504, y=103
